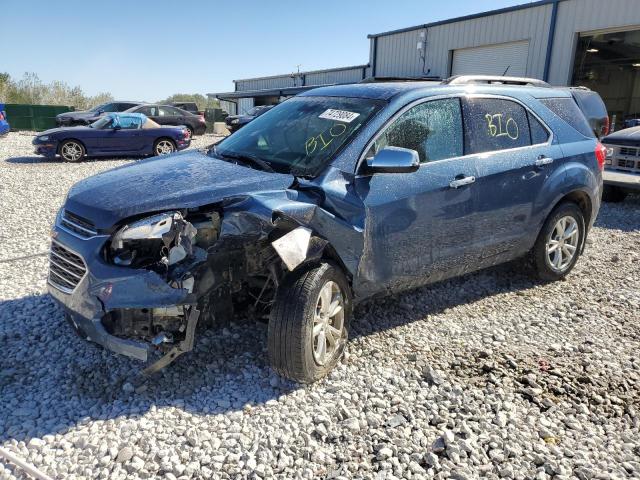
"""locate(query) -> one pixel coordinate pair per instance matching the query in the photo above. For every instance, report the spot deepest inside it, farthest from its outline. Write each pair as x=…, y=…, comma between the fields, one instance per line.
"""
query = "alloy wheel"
x=71, y=151
x=164, y=147
x=563, y=243
x=328, y=323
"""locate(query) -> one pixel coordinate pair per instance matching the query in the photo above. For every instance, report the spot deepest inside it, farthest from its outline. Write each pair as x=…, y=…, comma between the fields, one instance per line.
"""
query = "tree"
x=201, y=101
x=31, y=90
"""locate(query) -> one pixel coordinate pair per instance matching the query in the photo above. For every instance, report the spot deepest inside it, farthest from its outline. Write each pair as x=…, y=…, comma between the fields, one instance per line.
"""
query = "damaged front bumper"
x=89, y=289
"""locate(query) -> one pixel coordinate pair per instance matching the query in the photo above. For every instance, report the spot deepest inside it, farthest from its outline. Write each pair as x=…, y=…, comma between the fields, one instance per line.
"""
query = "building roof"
x=466, y=17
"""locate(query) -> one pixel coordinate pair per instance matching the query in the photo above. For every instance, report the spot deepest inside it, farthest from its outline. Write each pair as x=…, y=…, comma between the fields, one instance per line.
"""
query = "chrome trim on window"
x=461, y=97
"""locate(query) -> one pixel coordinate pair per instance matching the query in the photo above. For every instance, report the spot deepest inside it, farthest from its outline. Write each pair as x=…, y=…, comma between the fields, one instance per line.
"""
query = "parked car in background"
x=236, y=122
x=4, y=124
x=168, y=115
x=70, y=119
x=191, y=107
x=622, y=167
x=337, y=195
x=111, y=135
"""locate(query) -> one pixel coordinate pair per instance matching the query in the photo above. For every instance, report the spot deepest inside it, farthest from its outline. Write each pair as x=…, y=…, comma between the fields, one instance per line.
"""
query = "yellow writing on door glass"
x=324, y=139
x=498, y=127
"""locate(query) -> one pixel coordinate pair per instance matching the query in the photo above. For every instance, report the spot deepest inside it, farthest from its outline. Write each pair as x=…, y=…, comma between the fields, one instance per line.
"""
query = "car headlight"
x=235, y=122
x=143, y=243
x=43, y=138
x=609, y=152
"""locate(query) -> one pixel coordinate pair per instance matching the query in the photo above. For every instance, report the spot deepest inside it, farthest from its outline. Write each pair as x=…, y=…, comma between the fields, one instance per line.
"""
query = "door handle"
x=542, y=161
x=461, y=182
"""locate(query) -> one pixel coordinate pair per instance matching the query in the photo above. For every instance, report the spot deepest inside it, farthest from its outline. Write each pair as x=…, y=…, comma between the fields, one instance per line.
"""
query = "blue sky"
x=147, y=50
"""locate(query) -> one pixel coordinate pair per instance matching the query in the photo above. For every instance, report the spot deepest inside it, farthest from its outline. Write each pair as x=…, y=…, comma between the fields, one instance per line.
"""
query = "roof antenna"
x=505, y=72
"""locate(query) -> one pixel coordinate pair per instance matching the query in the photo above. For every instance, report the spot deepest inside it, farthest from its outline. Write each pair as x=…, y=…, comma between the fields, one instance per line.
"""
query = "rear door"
x=419, y=225
x=151, y=111
x=515, y=156
x=169, y=116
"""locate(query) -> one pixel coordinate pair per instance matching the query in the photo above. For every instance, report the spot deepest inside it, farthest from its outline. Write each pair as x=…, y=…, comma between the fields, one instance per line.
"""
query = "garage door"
x=492, y=60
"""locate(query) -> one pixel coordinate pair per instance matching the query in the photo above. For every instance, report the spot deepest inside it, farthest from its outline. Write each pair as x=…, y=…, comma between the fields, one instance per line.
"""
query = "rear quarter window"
x=568, y=110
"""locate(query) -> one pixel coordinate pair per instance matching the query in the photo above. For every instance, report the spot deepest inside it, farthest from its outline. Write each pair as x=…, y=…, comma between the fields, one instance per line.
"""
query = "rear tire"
x=559, y=243
x=613, y=194
x=309, y=324
x=164, y=146
x=72, y=151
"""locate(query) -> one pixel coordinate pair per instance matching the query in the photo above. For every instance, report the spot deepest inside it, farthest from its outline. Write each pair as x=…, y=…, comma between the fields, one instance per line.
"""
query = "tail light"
x=1, y=115
x=601, y=155
x=185, y=134
x=201, y=118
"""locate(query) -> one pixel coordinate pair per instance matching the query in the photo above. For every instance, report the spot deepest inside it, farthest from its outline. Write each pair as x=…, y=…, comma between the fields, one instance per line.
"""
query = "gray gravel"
x=490, y=375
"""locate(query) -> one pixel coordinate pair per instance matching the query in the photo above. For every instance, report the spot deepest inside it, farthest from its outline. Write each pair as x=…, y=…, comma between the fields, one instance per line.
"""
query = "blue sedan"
x=112, y=135
x=4, y=125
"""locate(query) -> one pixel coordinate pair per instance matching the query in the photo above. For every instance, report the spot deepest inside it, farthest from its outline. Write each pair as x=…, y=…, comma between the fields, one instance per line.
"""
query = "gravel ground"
x=491, y=375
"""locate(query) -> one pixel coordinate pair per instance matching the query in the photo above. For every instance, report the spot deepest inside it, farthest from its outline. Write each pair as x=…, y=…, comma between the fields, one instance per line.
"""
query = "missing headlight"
x=162, y=241
x=155, y=242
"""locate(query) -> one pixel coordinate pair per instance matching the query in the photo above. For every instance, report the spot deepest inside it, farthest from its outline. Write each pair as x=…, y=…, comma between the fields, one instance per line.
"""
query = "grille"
x=77, y=225
x=629, y=151
x=66, y=268
x=626, y=163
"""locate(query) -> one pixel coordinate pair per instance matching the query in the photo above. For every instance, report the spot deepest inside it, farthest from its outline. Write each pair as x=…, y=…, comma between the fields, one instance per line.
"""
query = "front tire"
x=309, y=324
x=164, y=146
x=72, y=151
x=560, y=242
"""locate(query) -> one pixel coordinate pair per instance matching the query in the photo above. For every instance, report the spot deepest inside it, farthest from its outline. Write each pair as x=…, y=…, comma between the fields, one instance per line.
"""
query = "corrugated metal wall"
x=281, y=81
x=244, y=105
x=580, y=16
x=398, y=55
x=317, y=77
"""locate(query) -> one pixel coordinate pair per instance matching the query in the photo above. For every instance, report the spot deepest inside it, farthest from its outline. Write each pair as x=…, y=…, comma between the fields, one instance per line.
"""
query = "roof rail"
x=494, y=79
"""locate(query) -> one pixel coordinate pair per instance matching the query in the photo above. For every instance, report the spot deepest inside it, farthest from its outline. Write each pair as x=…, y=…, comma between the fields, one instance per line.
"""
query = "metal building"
x=595, y=43
x=252, y=92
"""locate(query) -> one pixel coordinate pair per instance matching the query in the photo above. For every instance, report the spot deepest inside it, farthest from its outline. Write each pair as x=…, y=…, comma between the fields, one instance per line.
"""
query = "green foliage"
x=31, y=90
x=201, y=101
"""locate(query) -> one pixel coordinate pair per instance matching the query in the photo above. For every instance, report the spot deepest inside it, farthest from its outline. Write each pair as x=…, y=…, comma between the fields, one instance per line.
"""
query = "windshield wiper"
x=245, y=158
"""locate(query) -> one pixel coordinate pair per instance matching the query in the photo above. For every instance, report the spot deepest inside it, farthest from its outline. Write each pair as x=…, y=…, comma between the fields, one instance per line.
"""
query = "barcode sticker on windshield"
x=339, y=115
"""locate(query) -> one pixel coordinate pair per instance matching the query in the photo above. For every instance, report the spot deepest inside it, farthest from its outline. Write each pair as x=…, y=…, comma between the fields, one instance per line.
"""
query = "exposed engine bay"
x=222, y=276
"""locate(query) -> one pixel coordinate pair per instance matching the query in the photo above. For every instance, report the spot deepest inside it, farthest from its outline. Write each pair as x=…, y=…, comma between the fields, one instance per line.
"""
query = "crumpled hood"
x=628, y=136
x=184, y=180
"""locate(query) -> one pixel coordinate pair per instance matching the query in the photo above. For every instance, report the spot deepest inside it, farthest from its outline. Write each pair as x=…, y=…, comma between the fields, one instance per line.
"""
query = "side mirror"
x=394, y=160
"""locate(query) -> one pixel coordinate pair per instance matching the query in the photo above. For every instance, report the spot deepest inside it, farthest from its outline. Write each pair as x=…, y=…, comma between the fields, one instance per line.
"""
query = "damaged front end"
x=152, y=282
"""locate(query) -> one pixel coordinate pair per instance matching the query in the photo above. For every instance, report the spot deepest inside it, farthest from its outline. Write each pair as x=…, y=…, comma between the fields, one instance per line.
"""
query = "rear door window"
x=433, y=129
x=492, y=124
x=148, y=111
x=169, y=112
x=568, y=110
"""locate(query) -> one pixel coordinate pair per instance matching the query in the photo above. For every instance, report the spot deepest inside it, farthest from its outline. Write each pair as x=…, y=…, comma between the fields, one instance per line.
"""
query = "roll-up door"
x=492, y=60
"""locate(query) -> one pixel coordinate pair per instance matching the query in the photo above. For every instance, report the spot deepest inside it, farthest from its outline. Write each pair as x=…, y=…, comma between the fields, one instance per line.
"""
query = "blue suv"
x=332, y=197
